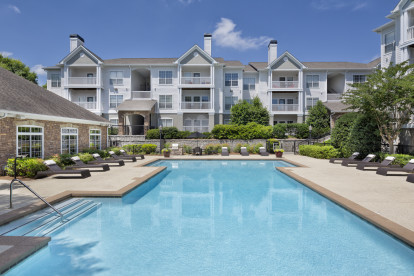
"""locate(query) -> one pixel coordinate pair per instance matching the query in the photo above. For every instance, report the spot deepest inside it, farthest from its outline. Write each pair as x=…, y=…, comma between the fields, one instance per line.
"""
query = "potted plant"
x=279, y=152
x=166, y=152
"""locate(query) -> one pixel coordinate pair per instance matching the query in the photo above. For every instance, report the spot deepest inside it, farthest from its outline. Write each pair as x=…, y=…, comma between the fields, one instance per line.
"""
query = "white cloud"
x=360, y=6
x=5, y=53
x=325, y=5
x=15, y=9
x=188, y=2
x=38, y=69
x=225, y=35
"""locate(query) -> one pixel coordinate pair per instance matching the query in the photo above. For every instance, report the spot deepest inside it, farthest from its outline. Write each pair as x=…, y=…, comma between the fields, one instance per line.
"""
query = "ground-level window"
x=30, y=141
x=196, y=125
x=311, y=102
x=95, y=138
x=359, y=78
x=166, y=122
x=165, y=102
x=115, y=100
x=229, y=102
x=69, y=140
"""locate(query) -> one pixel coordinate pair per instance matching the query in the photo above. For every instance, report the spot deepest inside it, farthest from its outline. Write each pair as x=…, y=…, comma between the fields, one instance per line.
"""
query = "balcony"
x=334, y=97
x=82, y=81
x=285, y=107
x=141, y=95
x=196, y=105
x=86, y=105
x=196, y=81
x=285, y=84
x=200, y=129
x=410, y=33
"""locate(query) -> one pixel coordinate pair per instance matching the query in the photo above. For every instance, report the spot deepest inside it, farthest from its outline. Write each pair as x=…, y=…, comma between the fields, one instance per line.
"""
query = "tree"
x=342, y=129
x=319, y=119
x=388, y=96
x=18, y=67
x=244, y=113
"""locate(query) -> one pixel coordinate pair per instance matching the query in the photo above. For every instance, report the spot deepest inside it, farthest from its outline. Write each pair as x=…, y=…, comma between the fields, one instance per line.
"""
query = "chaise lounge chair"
x=243, y=151
x=55, y=169
x=386, y=163
x=99, y=160
x=124, y=154
x=224, y=151
x=410, y=178
x=408, y=168
x=367, y=159
x=263, y=152
x=80, y=164
x=117, y=157
x=352, y=157
x=197, y=151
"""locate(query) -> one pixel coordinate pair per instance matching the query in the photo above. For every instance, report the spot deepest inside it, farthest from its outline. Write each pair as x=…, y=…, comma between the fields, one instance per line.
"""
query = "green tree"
x=244, y=113
x=319, y=119
x=388, y=96
x=18, y=67
x=342, y=128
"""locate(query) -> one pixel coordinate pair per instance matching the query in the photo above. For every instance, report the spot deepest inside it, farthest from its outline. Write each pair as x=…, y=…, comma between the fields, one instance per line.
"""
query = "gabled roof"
x=77, y=50
x=399, y=5
x=287, y=54
x=22, y=96
x=138, y=61
x=198, y=48
x=249, y=69
x=337, y=107
x=342, y=65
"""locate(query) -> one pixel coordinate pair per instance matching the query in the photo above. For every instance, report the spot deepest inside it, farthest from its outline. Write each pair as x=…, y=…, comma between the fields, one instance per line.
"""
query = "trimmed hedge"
x=319, y=152
x=242, y=132
x=148, y=148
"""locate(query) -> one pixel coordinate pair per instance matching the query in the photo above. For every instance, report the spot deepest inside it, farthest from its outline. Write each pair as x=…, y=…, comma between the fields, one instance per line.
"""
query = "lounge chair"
x=386, y=163
x=243, y=151
x=80, y=164
x=410, y=178
x=117, y=157
x=263, y=152
x=367, y=159
x=55, y=169
x=197, y=151
x=99, y=160
x=224, y=151
x=408, y=168
x=123, y=153
x=352, y=157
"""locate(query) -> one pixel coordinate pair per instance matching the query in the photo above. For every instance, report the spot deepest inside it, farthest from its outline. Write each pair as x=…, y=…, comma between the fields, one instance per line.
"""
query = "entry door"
x=90, y=79
x=196, y=77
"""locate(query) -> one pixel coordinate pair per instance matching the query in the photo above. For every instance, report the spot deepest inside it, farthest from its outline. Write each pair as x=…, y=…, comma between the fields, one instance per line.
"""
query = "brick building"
x=39, y=123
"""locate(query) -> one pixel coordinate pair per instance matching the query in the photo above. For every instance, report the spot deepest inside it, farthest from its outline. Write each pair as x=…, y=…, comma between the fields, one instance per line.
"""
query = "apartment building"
x=196, y=91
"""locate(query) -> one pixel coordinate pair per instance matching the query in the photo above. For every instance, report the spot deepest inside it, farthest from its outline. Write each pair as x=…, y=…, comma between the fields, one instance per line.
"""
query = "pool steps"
x=46, y=221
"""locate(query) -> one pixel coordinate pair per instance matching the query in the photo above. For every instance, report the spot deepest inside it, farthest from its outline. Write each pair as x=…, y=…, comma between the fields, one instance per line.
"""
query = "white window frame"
x=311, y=82
x=95, y=134
x=358, y=78
x=165, y=80
x=233, y=81
x=69, y=134
x=163, y=105
x=118, y=79
x=250, y=86
x=30, y=140
x=117, y=102
x=57, y=81
x=161, y=122
x=234, y=101
x=390, y=46
x=314, y=100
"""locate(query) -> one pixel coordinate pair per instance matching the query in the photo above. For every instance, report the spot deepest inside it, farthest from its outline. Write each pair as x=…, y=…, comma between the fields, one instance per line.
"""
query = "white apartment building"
x=196, y=90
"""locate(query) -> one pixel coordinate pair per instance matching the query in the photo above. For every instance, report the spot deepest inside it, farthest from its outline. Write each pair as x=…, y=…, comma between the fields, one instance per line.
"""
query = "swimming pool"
x=219, y=218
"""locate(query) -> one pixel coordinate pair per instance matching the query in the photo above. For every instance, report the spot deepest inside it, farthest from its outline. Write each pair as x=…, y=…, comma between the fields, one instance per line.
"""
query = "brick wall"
x=51, y=136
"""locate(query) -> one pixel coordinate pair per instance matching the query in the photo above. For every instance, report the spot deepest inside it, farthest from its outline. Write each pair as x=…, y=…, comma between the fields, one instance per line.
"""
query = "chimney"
x=75, y=41
x=207, y=43
x=272, y=51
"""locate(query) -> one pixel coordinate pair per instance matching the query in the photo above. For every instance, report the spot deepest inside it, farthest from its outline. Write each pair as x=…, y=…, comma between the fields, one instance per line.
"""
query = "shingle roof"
x=119, y=61
x=136, y=105
x=20, y=95
x=337, y=106
x=327, y=65
x=249, y=68
x=259, y=65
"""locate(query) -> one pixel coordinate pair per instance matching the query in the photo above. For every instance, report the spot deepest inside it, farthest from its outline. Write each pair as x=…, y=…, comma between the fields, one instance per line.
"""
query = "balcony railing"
x=285, y=107
x=82, y=81
x=86, y=105
x=285, y=84
x=196, y=105
x=200, y=129
x=410, y=33
x=334, y=97
x=195, y=80
x=141, y=94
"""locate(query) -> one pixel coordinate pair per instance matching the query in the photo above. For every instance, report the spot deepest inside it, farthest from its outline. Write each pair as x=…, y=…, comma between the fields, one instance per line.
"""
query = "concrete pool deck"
x=388, y=200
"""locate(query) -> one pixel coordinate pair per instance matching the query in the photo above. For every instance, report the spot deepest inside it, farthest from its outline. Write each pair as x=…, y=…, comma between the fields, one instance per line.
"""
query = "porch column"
x=212, y=98
x=210, y=121
x=270, y=79
x=147, y=121
x=179, y=74
x=121, y=122
x=98, y=99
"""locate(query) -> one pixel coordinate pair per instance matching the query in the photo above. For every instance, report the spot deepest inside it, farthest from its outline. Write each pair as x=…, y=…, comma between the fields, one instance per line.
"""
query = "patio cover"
x=137, y=105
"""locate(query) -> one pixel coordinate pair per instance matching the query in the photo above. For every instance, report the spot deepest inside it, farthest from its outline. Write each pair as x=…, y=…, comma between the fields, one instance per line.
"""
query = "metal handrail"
x=22, y=183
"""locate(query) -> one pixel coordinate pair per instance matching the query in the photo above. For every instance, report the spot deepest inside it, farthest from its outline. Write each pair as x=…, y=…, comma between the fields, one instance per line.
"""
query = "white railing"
x=410, y=33
x=195, y=80
x=285, y=107
x=82, y=80
x=86, y=105
x=195, y=105
x=334, y=97
x=141, y=94
x=285, y=84
x=196, y=128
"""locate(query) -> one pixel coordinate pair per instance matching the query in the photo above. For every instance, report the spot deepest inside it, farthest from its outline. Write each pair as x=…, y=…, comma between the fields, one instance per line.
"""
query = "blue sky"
x=37, y=32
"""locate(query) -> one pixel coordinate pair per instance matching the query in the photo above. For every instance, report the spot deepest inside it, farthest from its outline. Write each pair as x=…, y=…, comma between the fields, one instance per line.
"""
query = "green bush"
x=148, y=148
x=132, y=148
x=224, y=146
x=27, y=167
x=212, y=148
x=244, y=132
x=183, y=134
x=300, y=131
x=319, y=119
x=207, y=135
x=400, y=159
x=269, y=145
x=153, y=134
x=116, y=150
x=342, y=129
x=170, y=133
x=62, y=160
x=85, y=157
x=279, y=131
x=102, y=153
x=187, y=149
x=319, y=152
x=237, y=148
x=256, y=148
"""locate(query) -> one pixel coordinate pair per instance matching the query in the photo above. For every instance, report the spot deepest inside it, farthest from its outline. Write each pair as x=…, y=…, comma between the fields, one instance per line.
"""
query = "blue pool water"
x=220, y=218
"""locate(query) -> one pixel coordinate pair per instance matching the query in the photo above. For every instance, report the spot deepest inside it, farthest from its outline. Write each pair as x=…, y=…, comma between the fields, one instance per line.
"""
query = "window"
x=115, y=100
x=166, y=122
x=389, y=41
x=69, y=140
x=282, y=101
x=114, y=122
x=30, y=141
x=289, y=101
x=229, y=102
x=311, y=102
x=249, y=84
x=205, y=99
x=231, y=79
x=359, y=78
x=196, y=99
x=290, y=122
x=187, y=98
x=55, y=80
x=95, y=138
x=116, y=78
x=165, y=77
x=165, y=102
x=196, y=125
x=312, y=81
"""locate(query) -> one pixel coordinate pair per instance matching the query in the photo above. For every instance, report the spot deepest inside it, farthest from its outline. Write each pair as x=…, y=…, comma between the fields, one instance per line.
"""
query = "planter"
x=279, y=154
x=167, y=153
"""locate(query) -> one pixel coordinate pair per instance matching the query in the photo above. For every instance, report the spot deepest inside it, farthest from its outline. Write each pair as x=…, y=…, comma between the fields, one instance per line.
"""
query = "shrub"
x=400, y=159
x=245, y=132
x=148, y=148
x=27, y=167
x=153, y=134
x=212, y=148
x=300, y=131
x=86, y=157
x=223, y=146
x=62, y=160
x=208, y=135
x=319, y=119
x=243, y=113
x=102, y=153
x=116, y=150
x=237, y=148
x=319, y=152
x=187, y=149
x=183, y=134
x=342, y=129
x=269, y=144
x=132, y=148
x=256, y=148
x=170, y=133
x=279, y=131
